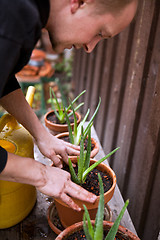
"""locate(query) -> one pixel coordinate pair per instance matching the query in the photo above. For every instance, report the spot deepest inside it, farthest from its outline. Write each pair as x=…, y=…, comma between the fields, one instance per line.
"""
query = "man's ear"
x=75, y=4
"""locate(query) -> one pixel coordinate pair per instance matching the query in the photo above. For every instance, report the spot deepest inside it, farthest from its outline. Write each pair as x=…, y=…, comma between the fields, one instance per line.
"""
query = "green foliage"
x=60, y=109
x=65, y=66
x=75, y=136
x=83, y=160
x=96, y=232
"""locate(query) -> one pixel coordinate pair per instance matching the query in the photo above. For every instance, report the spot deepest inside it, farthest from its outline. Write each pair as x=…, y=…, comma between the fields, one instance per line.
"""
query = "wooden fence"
x=125, y=73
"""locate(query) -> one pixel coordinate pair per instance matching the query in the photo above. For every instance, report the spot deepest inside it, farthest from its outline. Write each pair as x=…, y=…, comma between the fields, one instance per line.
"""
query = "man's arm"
x=49, y=180
x=16, y=104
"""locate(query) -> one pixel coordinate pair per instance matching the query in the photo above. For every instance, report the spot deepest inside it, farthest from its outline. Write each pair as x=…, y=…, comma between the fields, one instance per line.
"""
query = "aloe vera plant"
x=96, y=232
x=83, y=160
x=75, y=136
x=59, y=108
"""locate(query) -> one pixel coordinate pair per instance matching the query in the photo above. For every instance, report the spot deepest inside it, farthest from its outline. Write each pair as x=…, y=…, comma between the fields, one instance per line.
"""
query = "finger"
x=64, y=156
x=57, y=162
x=77, y=191
x=66, y=199
x=71, y=151
x=73, y=146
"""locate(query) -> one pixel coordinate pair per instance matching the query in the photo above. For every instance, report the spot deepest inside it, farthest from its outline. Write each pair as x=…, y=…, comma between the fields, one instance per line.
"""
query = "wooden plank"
x=82, y=77
x=131, y=96
x=90, y=74
x=115, y=89
x=10, y=233
x=96, y=79
x=77, y=59
x=151, y=210
x=147, y=134
x=117, y=202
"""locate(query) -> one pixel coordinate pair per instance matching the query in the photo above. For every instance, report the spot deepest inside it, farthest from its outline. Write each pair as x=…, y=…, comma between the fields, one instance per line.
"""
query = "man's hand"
x=16, y=104
x=58, y=184
x=51, y=181
x=49, y=146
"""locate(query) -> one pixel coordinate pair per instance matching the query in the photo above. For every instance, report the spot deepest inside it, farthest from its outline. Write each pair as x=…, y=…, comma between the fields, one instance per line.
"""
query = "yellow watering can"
x=16, y=199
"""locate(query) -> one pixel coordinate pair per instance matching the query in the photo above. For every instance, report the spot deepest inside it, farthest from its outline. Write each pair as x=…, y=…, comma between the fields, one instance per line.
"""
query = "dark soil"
x=66, y=139
x=79, y=235
x=53, y=118
x=92, y=184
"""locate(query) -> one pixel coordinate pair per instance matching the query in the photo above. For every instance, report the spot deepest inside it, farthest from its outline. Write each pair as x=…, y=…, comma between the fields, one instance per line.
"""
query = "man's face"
x=78, y=25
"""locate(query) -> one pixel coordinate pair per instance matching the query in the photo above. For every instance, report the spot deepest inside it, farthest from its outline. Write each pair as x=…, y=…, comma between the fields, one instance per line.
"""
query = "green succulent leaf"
x=79, y=127
x=98, y=233
x=98, y=162
x=93, y=116
x=69, y=107
x=87, y=160
x=88, y=228
x=72, y=172
x=112, y=232
x=81, y=158
x=75, y=109
x=71, y=138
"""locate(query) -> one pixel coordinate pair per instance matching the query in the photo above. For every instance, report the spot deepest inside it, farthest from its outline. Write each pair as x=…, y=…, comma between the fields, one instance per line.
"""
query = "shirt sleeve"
x=3, y=158
x=10, y=52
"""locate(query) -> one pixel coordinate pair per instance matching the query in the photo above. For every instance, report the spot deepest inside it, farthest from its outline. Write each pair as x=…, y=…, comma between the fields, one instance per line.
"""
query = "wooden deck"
x=35, y=226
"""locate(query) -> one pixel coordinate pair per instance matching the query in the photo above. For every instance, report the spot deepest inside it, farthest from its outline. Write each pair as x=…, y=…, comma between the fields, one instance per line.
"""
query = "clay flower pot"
x=93, y=142
x=54, y=221
x=123, y=233
x=69, y=216
x=58, y=128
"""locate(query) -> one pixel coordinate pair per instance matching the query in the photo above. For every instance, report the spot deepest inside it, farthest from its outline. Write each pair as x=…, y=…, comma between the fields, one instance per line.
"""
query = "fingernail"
x=77, y=209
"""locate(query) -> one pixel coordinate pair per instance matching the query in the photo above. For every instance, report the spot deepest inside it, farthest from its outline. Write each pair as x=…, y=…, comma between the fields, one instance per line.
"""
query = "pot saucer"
x=55, y=223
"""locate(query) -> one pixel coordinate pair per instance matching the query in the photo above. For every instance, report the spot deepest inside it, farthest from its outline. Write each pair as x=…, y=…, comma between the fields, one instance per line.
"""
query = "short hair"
x=114, y=6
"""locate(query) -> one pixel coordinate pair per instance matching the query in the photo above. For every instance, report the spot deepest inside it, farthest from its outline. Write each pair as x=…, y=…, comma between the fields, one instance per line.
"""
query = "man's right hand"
x=59, y=185
x=51, y=181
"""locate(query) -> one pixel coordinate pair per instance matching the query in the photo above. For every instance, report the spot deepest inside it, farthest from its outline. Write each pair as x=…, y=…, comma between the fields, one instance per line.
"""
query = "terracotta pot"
x=69, y=216
x=93, y=141
x=122, y=231
x=55, y=224
x=59, y=128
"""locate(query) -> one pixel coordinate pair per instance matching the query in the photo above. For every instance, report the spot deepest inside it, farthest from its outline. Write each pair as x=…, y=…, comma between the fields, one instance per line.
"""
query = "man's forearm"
x=24, y=170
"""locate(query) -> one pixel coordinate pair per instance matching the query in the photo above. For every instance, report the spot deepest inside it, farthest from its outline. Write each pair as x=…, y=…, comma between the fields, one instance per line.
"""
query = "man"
x=73, y=23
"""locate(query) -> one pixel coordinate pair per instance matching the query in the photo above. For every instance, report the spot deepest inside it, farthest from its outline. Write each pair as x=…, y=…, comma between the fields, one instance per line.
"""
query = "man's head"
x=77, y=23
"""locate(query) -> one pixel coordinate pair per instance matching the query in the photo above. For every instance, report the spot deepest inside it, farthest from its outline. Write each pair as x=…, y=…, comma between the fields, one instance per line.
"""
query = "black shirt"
x=21, y=22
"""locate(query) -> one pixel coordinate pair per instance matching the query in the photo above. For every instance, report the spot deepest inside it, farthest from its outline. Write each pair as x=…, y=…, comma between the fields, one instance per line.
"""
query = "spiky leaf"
x=112, y=232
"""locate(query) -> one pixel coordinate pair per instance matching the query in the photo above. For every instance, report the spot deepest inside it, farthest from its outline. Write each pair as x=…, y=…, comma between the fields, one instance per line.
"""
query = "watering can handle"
x=9, y=120
x=30, y=95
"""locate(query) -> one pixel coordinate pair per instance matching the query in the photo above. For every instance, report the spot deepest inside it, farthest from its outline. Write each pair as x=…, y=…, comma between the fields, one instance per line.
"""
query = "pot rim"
x=78, y=226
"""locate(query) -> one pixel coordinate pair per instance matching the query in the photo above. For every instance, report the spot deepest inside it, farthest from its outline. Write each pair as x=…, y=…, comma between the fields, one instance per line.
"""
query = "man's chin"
x=58, y=50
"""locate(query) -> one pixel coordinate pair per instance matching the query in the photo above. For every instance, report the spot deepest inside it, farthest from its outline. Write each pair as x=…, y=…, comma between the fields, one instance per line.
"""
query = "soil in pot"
x=92, y=184
x=53, y=118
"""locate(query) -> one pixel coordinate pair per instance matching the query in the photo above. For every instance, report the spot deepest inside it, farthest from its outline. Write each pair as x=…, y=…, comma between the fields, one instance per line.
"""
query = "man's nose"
x=91, y=45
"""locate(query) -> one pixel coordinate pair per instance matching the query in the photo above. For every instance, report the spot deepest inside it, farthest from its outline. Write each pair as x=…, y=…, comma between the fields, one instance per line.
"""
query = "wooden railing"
x=125, y=73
